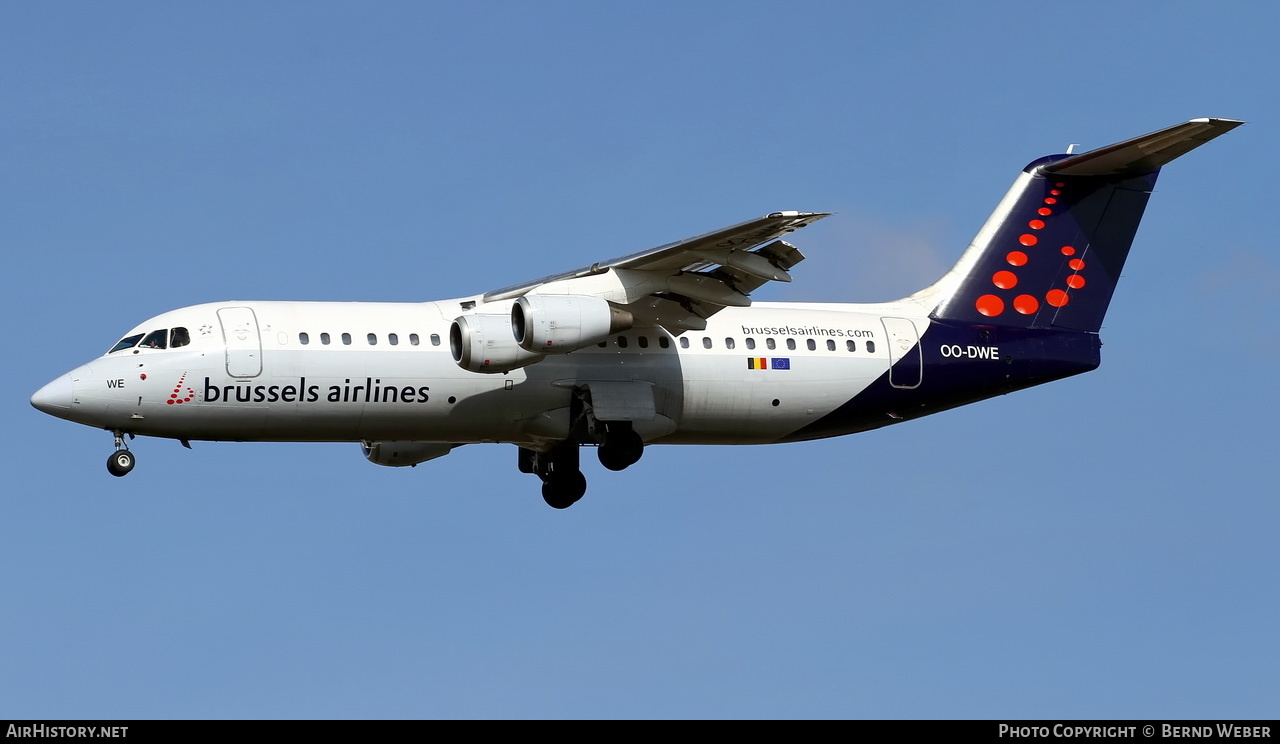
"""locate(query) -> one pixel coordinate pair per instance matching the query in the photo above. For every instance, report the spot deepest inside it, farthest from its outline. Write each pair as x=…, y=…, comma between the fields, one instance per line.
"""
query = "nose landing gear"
x=122, y=460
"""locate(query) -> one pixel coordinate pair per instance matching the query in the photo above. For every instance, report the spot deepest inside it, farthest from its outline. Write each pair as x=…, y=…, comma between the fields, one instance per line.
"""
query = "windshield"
x=163, y=338
x=128, y=342
x=155, y=339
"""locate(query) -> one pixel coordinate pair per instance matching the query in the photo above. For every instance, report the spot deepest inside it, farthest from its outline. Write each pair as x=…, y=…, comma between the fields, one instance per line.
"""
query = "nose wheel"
x=122, y=460
x=120, y=463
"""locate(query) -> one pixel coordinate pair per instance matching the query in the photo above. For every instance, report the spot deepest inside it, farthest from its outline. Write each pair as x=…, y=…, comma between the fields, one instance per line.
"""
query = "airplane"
x=663, y=346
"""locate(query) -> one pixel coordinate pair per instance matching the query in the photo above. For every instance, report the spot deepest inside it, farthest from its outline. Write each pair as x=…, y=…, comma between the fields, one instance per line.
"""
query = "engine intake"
x=483, y=343
x=559, y=324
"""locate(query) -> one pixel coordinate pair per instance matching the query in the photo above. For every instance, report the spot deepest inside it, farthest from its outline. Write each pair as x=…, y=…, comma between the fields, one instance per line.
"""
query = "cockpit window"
x=155, y=339
x=161, y=339
x=128, y=342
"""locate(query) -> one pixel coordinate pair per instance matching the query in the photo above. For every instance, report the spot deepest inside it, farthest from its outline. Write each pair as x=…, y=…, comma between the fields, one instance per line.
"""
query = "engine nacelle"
x=559, y=324
x=400, y=454
x=483, y=343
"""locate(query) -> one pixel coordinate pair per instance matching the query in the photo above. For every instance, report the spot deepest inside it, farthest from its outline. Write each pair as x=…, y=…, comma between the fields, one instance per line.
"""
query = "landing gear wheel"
x=120, y=463
x=563, y=491
x=621, y=449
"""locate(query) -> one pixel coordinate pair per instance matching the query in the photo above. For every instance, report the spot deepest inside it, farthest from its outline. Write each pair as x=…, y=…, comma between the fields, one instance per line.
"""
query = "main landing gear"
x=122, y=460
x=562, y=481
x=620, y=447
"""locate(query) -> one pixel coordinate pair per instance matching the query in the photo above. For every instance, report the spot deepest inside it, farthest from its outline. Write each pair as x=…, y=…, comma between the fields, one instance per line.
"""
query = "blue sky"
x=1101, y=547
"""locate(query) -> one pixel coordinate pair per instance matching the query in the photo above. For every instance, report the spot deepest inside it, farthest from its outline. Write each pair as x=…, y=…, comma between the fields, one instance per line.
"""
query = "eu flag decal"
x=782, y=363
x=767, y=363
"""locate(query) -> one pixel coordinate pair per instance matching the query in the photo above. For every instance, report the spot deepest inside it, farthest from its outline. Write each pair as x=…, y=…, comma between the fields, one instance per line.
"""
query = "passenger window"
x=791, y=344
x=346, y=339
x=127, y=342
x=179, y=337
x=155, y=340
x=643, y=341
x=622, y=342
x=303, y=338
x=770, y=344
x=831, y=345
x=684, y=342
x=324, y=339
x=706, y=342
x=728, y=343
x=372, y=339
x=413, y=339
x=751, y=343
x=393, y=339
x=664, y=342
x=435, y=339
x=811, y=344
x=871, y=347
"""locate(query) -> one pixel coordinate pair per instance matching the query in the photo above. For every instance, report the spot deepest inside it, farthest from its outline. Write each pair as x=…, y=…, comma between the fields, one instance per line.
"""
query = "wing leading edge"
x=679, y=285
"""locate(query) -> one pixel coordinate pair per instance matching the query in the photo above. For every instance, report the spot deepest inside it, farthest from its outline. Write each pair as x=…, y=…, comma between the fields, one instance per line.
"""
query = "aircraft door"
x=906, y=364
x=244, y=347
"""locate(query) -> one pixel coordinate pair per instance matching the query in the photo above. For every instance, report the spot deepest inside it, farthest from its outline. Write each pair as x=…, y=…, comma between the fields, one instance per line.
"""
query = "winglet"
x=1143, y=154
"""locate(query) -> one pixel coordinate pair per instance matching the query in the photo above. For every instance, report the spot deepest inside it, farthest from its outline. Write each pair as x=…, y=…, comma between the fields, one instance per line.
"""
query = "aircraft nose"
x=54, y=398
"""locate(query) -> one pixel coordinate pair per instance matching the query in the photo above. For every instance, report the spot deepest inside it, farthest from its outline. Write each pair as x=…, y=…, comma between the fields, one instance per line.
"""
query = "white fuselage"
x=325, y=371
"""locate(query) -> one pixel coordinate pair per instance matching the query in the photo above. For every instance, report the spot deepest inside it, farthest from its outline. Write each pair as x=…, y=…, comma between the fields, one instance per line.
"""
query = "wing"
x=679, y=285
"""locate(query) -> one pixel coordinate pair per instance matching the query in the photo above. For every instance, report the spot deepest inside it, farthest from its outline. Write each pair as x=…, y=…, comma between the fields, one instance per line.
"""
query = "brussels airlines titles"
x=372, y=391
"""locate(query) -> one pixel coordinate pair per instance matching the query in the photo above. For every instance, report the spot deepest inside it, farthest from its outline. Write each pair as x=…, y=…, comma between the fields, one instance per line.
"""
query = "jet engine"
x=400, y=454
x=483, y=343
x=559, y=324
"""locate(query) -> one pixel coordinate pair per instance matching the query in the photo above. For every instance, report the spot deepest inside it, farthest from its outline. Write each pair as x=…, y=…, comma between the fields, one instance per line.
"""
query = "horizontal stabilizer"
x=1143, y=154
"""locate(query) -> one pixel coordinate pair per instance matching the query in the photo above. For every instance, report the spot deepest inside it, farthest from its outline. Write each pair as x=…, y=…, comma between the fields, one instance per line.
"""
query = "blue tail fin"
x=1051, y=253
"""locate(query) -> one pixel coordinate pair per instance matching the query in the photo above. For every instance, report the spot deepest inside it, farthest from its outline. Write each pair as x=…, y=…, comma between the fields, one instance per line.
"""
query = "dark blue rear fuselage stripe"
x=962, y=364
